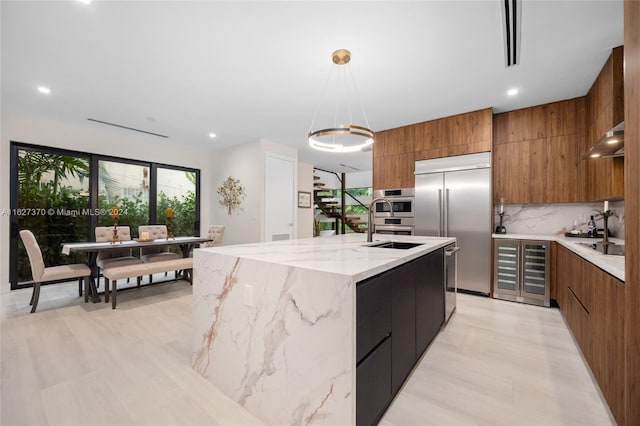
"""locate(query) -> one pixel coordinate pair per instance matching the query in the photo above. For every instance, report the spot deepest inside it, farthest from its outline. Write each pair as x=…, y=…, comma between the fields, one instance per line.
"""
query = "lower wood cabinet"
x=578, y=319
x=592, y=303
x=398, y=314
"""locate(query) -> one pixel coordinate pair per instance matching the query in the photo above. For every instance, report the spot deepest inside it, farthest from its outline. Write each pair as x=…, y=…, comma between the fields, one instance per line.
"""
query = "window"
x=52, y=193
x=125, y=186
x=63, y=195
x=176, y=189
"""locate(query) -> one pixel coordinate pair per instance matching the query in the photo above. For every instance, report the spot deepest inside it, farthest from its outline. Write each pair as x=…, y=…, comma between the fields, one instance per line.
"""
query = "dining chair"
x=41, y=274
x=216, y=233
x=115, y=257
x=155, y=253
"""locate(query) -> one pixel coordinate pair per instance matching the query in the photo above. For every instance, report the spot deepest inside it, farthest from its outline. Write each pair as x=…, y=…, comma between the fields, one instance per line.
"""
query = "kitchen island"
x=275, y=323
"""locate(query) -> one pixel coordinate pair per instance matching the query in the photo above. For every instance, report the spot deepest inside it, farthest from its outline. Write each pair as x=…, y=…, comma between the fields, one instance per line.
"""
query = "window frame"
x=16, y=147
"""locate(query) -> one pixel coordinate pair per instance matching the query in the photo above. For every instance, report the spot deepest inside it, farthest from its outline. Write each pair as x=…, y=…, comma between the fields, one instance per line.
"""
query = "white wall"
x=246, y=163
x=305, y=216
x=359, y=179
x=93, y=138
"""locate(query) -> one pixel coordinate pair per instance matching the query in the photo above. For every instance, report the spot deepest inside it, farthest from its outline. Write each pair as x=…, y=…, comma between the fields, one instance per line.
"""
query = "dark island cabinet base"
x=398, y=314
x=403, y=325
x=373, y=385
x=429, y=298
x=373, y=319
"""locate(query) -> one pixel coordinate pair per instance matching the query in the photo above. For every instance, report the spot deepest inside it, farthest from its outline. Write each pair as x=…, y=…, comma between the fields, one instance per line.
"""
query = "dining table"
x=92, y=249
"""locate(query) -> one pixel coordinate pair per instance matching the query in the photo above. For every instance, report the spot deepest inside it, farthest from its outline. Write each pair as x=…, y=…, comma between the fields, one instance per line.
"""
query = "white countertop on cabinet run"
x=611, y=264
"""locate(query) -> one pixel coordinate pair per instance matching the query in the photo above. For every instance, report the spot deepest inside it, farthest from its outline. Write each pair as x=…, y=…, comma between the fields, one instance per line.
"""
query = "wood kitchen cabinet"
x=393, y=160
x=396, y=150
x=394, y=171
x=607, y=328
x=455, y=135
x=591, y=302
x=536, y=153
x=604, y=177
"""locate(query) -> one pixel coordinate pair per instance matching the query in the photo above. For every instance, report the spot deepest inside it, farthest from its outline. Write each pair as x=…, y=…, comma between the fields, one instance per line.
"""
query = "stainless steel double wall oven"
x=403, y=220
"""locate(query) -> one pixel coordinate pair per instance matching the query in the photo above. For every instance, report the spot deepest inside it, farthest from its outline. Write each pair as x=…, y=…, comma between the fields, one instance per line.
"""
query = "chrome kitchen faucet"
x=371, y=225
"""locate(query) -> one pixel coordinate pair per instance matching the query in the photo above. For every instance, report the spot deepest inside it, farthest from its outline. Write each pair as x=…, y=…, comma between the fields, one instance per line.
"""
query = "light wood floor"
x=71, y=363
x=500, y=363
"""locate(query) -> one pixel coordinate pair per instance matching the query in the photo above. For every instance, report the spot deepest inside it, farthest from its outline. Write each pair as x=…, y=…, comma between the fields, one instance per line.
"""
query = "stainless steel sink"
x=611, y=248
x=400, y=245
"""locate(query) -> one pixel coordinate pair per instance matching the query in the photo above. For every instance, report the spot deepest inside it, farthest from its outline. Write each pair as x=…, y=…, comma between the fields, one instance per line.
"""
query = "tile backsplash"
x=557, y=218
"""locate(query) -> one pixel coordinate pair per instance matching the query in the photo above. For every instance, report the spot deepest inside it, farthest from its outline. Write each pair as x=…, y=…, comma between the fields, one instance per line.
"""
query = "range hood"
x=610, y=145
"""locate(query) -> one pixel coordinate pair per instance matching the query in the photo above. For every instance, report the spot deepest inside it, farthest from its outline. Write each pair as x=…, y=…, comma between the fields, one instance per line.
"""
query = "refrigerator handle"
x=446, y=213
x=440, y=215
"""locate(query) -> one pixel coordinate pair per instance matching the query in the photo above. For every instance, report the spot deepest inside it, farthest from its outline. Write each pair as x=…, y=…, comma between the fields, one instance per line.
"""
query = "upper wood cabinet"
x=396, y=150
x=604, y=177
x=393, y=171
x=456, y=135
x=535, y=153
x=394, y=141
x=393, y=160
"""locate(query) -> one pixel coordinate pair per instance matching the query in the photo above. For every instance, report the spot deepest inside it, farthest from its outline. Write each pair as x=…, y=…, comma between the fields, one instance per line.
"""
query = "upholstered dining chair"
x=116, y=257
x=41, y=274
x=216, y=233
x=156, y=254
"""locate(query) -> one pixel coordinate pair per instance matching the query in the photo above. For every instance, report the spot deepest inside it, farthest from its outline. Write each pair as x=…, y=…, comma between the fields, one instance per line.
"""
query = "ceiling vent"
x=511, y=24
x=127, y=128
x=346, y=166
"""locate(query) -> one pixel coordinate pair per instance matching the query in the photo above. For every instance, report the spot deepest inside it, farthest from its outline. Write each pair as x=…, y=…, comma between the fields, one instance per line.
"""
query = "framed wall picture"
x=304, y=199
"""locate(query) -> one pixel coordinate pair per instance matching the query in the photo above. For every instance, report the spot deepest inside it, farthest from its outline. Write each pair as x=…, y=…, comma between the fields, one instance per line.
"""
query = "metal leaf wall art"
x=232, y=192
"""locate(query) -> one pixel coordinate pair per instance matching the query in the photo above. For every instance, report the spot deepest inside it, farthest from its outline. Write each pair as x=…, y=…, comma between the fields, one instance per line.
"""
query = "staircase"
x=325, y=202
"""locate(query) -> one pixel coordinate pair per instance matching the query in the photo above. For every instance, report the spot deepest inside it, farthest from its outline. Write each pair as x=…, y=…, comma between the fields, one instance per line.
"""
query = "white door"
x=279, y=198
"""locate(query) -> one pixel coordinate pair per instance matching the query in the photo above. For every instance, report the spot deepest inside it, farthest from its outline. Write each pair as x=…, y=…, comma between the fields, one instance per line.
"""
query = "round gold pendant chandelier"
x=336, y=137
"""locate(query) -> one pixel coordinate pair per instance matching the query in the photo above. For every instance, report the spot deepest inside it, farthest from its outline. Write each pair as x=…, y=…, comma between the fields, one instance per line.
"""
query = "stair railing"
x=344, y=192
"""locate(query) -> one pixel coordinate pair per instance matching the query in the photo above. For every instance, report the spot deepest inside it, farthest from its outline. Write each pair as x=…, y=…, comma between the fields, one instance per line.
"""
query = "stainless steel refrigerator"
x=453, y=199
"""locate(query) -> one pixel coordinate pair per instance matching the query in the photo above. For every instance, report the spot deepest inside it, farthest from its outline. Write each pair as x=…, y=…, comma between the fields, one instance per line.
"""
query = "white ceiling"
x=250, y=70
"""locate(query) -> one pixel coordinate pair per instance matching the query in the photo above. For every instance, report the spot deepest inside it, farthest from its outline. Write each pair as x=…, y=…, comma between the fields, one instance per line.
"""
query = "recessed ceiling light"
x=84, y=1
x=212, y=135
x=595, y=155
x=44, y=90
x=512, y=92
x=613, y=141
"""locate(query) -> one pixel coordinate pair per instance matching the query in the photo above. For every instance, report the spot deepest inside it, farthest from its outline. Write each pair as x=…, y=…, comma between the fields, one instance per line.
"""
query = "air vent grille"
x=511, y=21
x=128, y=128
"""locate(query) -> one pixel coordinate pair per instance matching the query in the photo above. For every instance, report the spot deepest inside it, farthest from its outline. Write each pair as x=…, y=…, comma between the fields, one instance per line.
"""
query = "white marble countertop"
x=340, y=254
x=611, y=264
